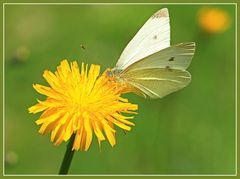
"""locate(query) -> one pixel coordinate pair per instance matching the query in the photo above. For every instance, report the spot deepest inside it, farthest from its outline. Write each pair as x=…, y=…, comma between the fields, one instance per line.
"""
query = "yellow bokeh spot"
x=213, y=20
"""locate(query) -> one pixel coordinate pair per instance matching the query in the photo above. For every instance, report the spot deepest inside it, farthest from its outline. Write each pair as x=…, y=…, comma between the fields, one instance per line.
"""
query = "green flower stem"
x=67, y=157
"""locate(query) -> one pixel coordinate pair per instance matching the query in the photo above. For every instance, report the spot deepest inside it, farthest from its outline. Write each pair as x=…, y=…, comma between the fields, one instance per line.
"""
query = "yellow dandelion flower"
x=81, y=103
x=213, y=20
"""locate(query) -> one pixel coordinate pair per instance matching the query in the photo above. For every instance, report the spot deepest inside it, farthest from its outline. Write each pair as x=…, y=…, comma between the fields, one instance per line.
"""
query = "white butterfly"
x=149, y=65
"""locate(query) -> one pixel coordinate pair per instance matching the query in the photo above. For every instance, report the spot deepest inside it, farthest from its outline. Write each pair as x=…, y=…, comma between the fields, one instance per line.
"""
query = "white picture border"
x=3, y=81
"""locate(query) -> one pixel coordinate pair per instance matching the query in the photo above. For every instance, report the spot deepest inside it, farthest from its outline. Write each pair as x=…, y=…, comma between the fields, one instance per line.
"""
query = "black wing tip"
x=161, y=13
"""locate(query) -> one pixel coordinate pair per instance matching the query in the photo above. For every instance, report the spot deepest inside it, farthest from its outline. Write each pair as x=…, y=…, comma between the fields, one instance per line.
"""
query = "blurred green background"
x=191, y=131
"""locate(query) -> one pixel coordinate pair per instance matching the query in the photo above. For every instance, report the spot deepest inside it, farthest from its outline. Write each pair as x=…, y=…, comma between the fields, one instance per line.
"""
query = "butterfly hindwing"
x=157, y=83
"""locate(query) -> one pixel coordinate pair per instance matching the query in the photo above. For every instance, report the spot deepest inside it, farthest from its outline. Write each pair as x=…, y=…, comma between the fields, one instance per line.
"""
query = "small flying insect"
x=82, y=46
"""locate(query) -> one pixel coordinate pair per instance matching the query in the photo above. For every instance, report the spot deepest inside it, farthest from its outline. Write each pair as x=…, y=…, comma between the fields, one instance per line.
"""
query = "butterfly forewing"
x=175, y=57
x=152, y=37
